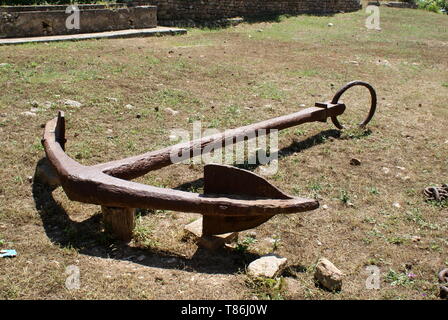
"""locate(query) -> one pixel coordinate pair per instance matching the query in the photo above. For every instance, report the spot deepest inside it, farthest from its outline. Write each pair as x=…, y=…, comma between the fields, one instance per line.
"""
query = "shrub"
x=433, y=5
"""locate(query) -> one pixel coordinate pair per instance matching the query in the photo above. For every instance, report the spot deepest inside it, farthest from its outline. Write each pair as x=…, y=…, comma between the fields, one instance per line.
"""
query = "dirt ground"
x=371, y=214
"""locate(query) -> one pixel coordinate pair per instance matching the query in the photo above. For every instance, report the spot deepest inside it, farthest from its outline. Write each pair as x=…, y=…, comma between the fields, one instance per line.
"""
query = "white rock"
x=330, y=24
x=302, y=105
x=268, y=266
x=72, y=103
x=325, y=207
x=385, y=170
x=328, y=275
x=111, y=99
x=396, y=205
x=28, y=114
x=171, y=111
x=129, y=106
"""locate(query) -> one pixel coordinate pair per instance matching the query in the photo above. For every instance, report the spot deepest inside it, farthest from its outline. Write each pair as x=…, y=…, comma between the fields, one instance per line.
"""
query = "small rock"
x=385, y=170
x=330, y=24
x=141, y=258
x=30, y=179
x=72, y=103
x=328, y=276
x=302, y=105
x=396, y=205
x=355, y=162
x=171, y=111
x=401, y=168
x=138, y=116
x=212, y=242
x=415, y=238
x=325, y=207
x=129, y=106
x=111, y=99
x=268, y=266
x=28, y=114
x=318, y=243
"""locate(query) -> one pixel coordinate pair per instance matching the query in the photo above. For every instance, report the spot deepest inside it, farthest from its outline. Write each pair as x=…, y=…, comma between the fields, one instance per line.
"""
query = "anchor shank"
x=136, y=166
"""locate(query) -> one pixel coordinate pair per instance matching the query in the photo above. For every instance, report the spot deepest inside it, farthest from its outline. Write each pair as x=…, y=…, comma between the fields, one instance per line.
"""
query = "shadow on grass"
x=295, y=147
x=88, y=238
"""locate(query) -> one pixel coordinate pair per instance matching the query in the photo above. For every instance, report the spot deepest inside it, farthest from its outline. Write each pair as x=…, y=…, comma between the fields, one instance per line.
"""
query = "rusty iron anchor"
x=233, y=200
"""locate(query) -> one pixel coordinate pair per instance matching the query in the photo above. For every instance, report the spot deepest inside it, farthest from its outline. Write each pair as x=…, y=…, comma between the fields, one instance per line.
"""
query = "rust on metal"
x=233, y=199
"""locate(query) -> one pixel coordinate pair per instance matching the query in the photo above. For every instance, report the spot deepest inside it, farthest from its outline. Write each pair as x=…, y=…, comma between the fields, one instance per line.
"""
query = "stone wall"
x=200, y=10
x=52, y=21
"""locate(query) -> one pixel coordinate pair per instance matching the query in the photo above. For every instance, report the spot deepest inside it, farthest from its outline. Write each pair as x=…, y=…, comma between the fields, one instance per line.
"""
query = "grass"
x=227, y=78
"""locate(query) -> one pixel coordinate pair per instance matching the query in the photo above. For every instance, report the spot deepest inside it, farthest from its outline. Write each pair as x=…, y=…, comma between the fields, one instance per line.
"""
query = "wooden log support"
x=119, y=222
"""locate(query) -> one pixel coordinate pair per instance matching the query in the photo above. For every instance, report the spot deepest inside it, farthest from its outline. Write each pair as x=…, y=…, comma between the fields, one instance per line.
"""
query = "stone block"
x=213, y=242
x=268, y=266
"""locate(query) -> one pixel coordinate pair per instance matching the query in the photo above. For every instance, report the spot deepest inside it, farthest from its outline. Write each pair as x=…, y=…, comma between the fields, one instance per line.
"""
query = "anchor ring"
x=372, y=106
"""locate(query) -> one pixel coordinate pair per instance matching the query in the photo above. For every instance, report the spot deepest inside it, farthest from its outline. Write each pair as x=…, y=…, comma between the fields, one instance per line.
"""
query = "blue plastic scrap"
x=7, y=253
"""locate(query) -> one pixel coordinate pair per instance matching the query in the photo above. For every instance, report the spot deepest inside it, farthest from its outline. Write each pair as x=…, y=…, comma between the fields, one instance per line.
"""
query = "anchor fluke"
x=227, y=180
